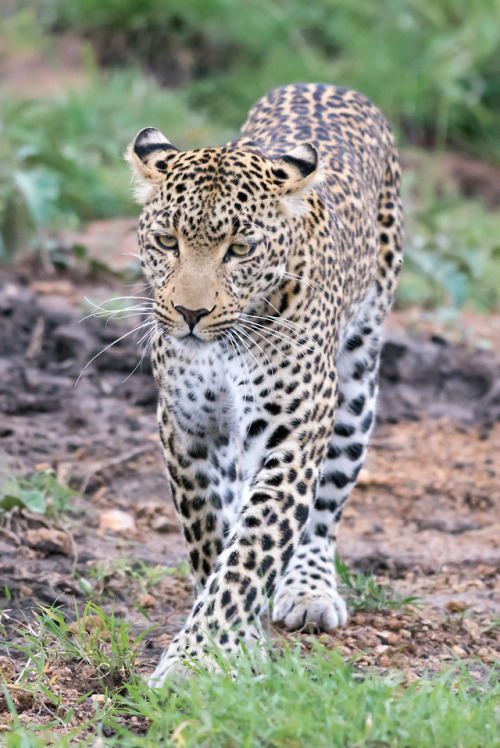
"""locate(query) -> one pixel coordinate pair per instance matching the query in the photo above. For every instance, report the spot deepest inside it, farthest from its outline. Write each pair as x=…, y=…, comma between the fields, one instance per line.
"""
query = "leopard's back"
x=359, y=178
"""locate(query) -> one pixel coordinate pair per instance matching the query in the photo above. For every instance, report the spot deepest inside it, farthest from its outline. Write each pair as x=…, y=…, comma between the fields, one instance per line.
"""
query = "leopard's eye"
x=240, y=250
x=167, y=241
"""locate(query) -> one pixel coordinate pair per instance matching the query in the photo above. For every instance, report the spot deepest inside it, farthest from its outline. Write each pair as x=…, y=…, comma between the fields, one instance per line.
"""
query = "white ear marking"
x=149, y=155
x=296, y=170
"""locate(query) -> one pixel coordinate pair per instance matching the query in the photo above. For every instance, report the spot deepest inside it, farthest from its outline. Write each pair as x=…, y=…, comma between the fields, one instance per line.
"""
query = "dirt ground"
x=424, y=517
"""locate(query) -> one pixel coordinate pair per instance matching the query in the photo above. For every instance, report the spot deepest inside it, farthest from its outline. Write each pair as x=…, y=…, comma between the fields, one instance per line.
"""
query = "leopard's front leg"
x=268, y=528
x=203, y=479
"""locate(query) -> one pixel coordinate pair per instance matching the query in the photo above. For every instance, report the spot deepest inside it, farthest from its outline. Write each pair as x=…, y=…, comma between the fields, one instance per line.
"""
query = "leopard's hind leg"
x=307, y=594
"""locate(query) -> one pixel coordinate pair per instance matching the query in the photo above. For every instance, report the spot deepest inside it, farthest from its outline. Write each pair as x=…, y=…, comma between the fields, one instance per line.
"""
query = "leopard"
x=272, y=262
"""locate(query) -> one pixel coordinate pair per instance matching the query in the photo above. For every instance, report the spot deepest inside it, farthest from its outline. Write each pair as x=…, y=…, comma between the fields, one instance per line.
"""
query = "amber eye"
x=167, y=241
x=239, y=250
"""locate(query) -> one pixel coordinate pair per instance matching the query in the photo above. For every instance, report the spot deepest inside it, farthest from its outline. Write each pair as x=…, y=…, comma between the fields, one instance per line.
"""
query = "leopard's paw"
x=312, y=610
x=174, y=663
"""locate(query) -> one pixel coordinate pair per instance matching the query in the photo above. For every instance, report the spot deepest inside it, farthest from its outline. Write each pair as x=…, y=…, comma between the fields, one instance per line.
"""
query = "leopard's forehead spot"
x=218, y=168
x=214, y=193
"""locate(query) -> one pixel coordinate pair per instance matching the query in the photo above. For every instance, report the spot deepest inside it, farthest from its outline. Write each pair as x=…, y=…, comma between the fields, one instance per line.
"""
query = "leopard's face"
x=216, y=230
x=208, y=243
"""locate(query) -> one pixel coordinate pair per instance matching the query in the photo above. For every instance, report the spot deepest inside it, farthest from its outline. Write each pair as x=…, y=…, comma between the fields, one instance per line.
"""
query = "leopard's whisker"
x=278, y=335
x=286, y=341
x=293, y=327
x=242, y=359
x=110, y=345
x=102, y=304
x=294, y=276
x=239, y=336
x=101, y=313
x=279, y=313
x=245, y=378
x=148, y=337
x=254, y=342
x=280, y=321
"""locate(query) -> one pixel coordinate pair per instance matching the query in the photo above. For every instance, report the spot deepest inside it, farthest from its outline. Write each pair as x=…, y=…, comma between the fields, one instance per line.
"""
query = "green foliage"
x=61, y=159
x=363, y=592
x=316, y=700
x=295, y=698
x=452, y=250
x=41, y=493
x=433, y=67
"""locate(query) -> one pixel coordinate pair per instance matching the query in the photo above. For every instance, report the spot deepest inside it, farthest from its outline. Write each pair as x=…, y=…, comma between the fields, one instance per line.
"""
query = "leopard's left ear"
x=296, y=170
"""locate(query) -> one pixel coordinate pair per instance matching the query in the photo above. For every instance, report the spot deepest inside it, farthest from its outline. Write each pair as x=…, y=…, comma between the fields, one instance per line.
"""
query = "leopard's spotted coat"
x=267, y=362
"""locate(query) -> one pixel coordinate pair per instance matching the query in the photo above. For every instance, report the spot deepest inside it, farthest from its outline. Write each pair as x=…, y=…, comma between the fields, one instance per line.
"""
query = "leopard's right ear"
x=149, y=155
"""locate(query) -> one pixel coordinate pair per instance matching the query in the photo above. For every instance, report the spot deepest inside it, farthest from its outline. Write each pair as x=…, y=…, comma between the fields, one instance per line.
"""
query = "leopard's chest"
x=209, y=392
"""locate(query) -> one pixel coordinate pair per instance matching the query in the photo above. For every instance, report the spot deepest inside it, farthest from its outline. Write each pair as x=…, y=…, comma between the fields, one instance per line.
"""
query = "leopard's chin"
x=192, y=341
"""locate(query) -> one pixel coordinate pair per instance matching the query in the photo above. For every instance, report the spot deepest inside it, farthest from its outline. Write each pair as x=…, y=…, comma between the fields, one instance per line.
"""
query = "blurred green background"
x=193, y=69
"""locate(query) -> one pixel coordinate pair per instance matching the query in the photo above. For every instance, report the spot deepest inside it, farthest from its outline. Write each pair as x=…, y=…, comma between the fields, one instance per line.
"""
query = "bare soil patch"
x=424, y=517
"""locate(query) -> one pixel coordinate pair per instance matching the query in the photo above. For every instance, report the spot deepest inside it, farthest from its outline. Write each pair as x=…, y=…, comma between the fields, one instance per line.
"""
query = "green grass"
x=363, y=592
x=452, y=250
x=300, y=699
x=283, y=696
x=452, y=244
x=146, y=577
x=105, y=642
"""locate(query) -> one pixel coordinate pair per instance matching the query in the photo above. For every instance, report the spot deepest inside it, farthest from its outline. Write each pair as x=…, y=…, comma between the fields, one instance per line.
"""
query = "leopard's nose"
x=192, y=316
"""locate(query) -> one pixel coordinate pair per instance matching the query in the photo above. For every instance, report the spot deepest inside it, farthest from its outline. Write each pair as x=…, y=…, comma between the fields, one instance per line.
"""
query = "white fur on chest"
x=210, y=389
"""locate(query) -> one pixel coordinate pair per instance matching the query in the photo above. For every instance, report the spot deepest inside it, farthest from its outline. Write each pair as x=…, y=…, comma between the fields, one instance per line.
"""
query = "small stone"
x=395, y=624
x=410, y=678
x=117, y=521
x=459, y=651
x=163, y=640
x=163, y=524
x=457, y=606
x=53, y=288
x=367, y=641
x=147, y=601
x=48, y=540
x=7, y=667
x=150, y=509
x=472, y=628
x=485, y=655
x=388, y=637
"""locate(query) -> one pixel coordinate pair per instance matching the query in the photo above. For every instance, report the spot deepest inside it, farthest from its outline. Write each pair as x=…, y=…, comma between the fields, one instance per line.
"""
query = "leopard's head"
x=216, y=227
